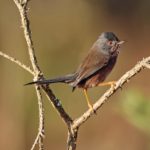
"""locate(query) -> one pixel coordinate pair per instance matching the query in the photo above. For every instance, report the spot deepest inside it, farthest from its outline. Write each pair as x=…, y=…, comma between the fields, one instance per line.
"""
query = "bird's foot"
x=91, y=108
x=113, y=84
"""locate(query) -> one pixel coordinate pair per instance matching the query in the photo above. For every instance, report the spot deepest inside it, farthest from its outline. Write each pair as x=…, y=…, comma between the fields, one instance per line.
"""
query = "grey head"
x=108, y=43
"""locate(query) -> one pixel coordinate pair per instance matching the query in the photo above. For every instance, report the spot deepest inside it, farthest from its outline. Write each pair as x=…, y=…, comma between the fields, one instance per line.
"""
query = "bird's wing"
x=93, y=62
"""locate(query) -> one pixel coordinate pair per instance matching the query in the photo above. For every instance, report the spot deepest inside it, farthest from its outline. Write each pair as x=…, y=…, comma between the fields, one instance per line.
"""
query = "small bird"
x=95, y=67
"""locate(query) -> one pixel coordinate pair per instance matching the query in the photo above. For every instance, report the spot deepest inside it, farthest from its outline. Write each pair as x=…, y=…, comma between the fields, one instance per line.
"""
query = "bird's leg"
x=111, y=83
x=87, y=99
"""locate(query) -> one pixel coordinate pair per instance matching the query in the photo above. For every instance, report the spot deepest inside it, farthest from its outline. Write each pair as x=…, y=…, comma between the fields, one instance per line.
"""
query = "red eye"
x=110, y=42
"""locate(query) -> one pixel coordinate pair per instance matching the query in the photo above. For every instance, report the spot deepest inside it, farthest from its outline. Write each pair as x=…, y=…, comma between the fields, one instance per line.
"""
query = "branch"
x=40, y=134
x=22, y=7
x=17, y=62
x=58, y=106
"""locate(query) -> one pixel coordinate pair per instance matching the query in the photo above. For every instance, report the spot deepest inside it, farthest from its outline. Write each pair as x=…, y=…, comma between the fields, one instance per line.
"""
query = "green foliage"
x=136, y=107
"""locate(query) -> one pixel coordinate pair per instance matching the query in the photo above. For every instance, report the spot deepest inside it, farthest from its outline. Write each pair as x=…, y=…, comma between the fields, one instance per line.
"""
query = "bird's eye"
x=110, y=43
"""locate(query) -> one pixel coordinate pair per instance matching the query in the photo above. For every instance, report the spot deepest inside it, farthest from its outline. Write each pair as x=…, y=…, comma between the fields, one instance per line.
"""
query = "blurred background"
x=63, y=31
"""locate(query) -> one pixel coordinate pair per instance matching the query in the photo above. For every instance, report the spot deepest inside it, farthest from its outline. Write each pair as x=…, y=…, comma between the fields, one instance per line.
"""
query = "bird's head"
x=108, y=42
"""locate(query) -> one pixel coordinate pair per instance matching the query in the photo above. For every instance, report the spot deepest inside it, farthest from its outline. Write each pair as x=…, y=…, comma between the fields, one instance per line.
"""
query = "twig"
x=41, y=119
x=17, y=62
x=22, y=7
x=35, y=141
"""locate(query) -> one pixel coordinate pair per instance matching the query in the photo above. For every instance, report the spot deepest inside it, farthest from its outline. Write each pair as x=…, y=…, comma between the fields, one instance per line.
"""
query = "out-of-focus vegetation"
x=136, y=107
x=63, y=31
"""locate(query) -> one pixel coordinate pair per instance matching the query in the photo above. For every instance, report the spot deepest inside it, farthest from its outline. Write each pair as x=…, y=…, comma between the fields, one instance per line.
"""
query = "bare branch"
x=41, y=118
x=57, y=105
x=72, y=139
x=17, y=62
x=35, y=141
x=22, y=7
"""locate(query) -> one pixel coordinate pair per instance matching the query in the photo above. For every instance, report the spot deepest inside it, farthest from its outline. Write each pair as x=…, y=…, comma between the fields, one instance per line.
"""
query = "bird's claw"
x=113, y=84
x=92, y=109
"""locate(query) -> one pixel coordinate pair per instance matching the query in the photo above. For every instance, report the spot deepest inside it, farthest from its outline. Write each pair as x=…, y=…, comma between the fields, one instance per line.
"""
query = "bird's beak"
x=120, y=42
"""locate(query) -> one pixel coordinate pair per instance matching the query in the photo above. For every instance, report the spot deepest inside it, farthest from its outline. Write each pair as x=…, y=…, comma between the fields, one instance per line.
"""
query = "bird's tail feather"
x=64, y=79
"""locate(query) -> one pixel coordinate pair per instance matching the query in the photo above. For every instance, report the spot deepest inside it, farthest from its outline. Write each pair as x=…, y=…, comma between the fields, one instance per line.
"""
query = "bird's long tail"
x=64, y=79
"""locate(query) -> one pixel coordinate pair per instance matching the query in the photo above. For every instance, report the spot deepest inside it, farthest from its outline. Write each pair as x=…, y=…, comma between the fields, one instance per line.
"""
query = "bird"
x=94, y=68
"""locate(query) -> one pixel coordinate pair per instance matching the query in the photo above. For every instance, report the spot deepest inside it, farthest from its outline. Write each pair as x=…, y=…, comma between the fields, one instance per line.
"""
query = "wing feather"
x=93, y=62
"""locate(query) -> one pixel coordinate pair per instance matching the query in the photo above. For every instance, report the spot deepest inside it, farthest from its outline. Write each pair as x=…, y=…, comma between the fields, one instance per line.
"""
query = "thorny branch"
x=17, y=62
x=22, y=7
x=73, y=125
